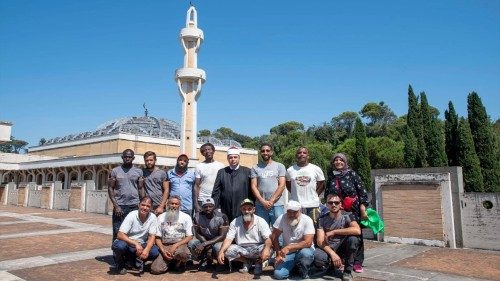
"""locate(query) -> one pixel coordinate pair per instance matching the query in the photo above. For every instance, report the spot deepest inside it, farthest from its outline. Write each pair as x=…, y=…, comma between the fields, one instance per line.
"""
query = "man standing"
x=305, y=181
x=268, y=184
x=205, y=174
x=125, y=187
x=252, y=236
x=210, y=228
x=181, y=183
x=155, y=183
x=298, y=234
x=174, y=233
x=337, y=238
x=232, y=185
x=136, y=238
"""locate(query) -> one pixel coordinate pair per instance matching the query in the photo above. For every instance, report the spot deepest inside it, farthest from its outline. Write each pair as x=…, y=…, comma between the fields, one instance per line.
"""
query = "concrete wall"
x=422, y=205
x=481, y=226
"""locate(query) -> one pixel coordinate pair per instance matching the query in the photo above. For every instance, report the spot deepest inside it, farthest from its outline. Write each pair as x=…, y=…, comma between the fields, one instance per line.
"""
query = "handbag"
x=348, y=201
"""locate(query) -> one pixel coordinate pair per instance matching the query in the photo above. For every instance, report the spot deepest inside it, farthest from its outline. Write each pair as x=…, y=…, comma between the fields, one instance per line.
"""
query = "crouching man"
x=337, y=238
x=174, y=233
x=210, y=228
x=252, y=236
x=135, y=241
x=298, y=235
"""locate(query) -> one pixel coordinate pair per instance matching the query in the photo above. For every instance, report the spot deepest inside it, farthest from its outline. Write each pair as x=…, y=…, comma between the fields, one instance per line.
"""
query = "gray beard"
x=247, y=217
x=172, y=215
x=294, y=222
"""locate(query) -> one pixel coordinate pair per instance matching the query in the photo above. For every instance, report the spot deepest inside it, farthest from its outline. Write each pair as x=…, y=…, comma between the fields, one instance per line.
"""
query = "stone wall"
x=97, y=202
x=61, y=199
x=481, y=220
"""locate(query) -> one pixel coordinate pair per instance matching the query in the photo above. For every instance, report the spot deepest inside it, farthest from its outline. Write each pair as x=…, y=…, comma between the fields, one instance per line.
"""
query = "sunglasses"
x=265, y=150
x=333, y=202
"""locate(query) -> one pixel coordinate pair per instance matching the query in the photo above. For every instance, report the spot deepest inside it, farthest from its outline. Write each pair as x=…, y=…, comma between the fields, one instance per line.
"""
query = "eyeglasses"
x=333, y=202
x=265, y=150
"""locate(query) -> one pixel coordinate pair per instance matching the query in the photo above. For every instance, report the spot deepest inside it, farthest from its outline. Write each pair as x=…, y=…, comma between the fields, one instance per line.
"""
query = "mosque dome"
x=143, y=126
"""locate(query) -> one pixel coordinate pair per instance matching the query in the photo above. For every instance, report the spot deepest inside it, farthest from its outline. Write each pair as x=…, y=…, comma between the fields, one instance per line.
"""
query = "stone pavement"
x=40, y=244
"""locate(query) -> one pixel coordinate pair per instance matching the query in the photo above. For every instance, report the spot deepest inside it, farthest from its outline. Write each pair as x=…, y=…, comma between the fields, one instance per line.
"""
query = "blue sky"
x=68, y=66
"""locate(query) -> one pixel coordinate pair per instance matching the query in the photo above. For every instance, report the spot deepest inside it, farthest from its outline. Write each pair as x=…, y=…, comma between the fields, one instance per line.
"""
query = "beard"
x=294, y=222
x=172, y=215
x=247, y=217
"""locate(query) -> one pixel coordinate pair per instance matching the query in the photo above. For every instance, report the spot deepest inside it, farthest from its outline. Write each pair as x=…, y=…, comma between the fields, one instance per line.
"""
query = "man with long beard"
x=298, y=234
x=252, y=236
x=174, y=233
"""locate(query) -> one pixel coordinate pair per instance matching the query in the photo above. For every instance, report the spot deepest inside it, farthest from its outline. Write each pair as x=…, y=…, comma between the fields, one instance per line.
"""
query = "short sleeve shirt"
x=256, y=234
x=137, y=230
x=267, y=179
x=173, y=232
x=303, y=184
x=209, y=227
x=153, y=183
x=328, y=223
x=207, y=172
x=126, y=191
x=294, y=234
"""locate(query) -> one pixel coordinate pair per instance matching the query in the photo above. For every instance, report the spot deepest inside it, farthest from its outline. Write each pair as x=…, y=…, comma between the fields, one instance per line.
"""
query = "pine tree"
x=484, y=142
x=361, y=159
x=451, y=134
x=414, y=121
x=468, y=159
x=434, y=140
x=410, y=148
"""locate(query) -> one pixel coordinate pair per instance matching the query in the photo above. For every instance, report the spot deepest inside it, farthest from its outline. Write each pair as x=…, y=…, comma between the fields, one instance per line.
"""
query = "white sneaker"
x=245, y=268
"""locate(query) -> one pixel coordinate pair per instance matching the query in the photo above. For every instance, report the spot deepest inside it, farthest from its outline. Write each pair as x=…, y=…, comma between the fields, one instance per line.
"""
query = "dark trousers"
x=117, y=220
x=122, y=252
x=359, y=257
x=346, y=250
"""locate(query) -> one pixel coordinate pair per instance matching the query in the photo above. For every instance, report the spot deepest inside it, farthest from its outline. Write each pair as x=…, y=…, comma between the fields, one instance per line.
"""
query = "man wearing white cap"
x=298, y=234
x=232, y=185
x=210, y=228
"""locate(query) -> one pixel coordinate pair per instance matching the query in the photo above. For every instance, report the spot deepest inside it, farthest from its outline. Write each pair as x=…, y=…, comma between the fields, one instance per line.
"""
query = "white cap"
x=293, y=205
x=233, y=150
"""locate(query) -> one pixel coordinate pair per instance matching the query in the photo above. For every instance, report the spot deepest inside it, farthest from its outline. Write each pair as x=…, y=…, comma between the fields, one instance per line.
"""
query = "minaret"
x=189, y=79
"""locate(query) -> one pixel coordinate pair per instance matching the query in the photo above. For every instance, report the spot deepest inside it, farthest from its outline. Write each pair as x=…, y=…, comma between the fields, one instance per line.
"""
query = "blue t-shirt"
x=182, y=186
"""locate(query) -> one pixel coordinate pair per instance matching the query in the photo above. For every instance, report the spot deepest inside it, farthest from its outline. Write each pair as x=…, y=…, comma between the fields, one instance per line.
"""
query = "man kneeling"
x=337, y=238
x=251, y=233
x=138, y=227
x=298, y=234
x=210, y=228
x=174, y=232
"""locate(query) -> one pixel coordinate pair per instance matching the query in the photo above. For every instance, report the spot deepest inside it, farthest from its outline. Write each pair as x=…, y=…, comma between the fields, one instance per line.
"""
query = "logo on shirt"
x=303, y=180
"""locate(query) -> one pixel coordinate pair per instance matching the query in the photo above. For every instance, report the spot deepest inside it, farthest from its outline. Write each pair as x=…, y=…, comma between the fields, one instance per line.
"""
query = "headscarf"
x=344, y=158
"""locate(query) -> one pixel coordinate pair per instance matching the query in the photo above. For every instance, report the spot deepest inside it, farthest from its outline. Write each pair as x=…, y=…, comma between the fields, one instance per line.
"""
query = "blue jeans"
x=270, y=215
x=195, y=242
x=123, y=252
x=303, y=258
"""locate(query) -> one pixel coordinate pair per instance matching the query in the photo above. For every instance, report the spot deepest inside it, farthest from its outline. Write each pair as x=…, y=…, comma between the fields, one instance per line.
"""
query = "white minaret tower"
x=189, y=79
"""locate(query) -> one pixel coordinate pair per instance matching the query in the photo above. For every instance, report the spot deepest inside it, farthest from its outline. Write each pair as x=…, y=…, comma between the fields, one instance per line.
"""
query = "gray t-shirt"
x=267, y=179
x=209, y=227
x=328, y=223
x=153, y=183
x=126, y=192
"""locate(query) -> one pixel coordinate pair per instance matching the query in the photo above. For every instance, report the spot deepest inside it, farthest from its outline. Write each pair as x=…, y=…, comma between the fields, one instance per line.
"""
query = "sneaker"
x=358, y=268
x=245, y=268
x=346, y=276
x=258, y=269
x=180, y=266
x=121, y=270
x=304, y=272
x=203, y=265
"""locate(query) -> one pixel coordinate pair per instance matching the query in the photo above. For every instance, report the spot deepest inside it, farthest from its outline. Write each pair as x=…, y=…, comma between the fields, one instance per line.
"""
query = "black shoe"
x=203, y=265
x=120, y=270
x=347, y=276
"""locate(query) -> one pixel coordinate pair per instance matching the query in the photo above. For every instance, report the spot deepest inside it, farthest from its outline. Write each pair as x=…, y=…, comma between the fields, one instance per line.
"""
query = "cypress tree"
x=468, y=159
x=410, y=148
x=414, y=121
x=434, y=140
x=451, y=134
x=484, y=142
x=361, y=159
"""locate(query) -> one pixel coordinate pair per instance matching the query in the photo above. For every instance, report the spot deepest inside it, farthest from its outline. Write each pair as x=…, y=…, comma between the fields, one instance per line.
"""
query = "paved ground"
x=39, y=244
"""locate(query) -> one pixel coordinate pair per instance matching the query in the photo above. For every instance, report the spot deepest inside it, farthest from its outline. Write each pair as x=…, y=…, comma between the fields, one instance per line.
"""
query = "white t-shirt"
x=303, y=180
x=207, y=172
x=256, y=234
x=294, y=234
x=173, y=232
x=136, y=230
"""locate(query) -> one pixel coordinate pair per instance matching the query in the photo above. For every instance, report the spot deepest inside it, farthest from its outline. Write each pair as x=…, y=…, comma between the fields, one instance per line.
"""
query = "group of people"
x=225, y=213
